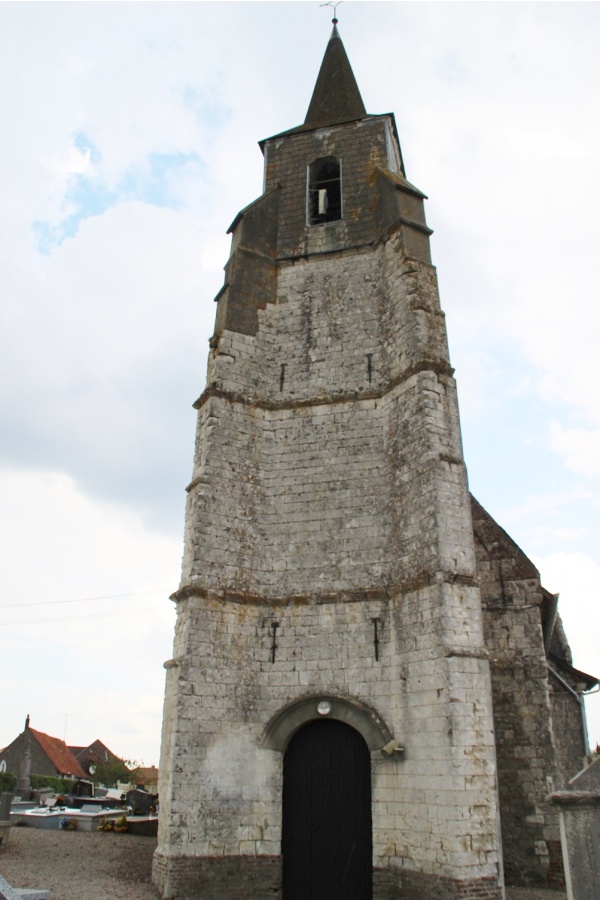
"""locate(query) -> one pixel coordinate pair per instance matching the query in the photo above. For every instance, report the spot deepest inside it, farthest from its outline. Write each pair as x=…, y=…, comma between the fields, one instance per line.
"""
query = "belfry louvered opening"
x=324, y=190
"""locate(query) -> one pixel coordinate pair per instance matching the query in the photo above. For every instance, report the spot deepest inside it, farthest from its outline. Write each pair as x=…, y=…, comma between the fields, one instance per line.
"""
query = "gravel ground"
x=80, y=865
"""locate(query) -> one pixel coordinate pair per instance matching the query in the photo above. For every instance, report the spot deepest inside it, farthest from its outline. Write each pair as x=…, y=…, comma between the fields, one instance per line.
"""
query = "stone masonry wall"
x=524, y=738
x=386, y=457
x=228, y=688
x=362, y=147
x=329, y=491
x=322, y=329
x=568, y=732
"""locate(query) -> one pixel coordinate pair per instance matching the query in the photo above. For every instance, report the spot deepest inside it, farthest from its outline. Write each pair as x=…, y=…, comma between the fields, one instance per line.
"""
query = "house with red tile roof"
x=48, y=755
x=93, y=755
x=148, y=777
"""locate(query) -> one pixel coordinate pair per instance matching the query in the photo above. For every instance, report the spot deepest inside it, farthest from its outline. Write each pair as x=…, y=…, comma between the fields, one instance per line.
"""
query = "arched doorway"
x=327, y=831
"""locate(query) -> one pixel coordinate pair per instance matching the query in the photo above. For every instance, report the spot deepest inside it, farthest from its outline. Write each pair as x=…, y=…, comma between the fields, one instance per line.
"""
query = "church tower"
x=328, y=727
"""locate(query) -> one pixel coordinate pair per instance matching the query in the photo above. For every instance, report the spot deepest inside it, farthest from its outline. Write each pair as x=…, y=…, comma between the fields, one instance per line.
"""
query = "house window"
x=324, y=190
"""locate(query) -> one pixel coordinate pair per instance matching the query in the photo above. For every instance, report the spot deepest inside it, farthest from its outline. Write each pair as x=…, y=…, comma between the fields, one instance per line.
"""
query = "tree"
x=114, y=770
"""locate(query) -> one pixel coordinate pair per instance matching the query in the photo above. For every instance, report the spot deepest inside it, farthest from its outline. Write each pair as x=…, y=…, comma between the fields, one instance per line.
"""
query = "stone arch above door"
x=286, y=722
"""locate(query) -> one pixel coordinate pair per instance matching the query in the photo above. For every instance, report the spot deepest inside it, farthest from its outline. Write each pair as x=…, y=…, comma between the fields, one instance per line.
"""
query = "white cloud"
x=98, y=661
x=562, y=535
x=103, y=342
x=576, y=577
x=580, y=448
x=548, y=504
x=79, y=161
x=111, y=353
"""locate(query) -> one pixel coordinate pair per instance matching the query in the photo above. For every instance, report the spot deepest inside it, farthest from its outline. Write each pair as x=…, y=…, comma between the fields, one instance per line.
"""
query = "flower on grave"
x=120, y=824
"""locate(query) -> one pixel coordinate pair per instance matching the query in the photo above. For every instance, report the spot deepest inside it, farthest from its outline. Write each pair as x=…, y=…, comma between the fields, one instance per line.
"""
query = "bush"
x=7, y=782
x=58, y=785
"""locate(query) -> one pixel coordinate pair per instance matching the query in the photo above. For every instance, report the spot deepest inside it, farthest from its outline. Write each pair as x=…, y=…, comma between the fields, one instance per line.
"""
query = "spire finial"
x=334, y=7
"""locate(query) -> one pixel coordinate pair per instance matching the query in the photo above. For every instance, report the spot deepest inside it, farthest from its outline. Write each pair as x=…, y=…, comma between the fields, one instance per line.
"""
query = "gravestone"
x=10, y=893
x=580, y=833
x=5, y=802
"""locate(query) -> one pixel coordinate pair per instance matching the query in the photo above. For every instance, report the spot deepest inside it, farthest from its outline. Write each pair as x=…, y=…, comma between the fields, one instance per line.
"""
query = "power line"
x=80, y=599
x=113, y=615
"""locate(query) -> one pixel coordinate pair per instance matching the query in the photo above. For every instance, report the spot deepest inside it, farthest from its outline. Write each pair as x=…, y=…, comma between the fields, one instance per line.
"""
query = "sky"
x=129, y=142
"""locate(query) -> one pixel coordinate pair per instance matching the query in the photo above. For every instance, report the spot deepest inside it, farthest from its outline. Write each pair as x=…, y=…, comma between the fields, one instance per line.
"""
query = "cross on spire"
x=334, y=6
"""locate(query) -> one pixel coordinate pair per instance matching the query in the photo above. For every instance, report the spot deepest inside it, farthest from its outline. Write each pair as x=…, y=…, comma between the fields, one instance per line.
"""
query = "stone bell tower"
x=328, y=721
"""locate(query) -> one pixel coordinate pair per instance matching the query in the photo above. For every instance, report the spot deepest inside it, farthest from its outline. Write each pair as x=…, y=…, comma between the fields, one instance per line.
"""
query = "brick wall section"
x=245, y=878
x=415, y=886
x=214, y=878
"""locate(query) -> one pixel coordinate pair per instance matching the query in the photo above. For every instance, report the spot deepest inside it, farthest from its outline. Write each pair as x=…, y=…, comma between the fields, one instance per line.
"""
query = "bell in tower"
x=328, y=724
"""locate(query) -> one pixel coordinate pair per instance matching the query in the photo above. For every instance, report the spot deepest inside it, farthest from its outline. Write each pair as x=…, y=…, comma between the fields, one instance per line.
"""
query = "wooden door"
x=327, y=832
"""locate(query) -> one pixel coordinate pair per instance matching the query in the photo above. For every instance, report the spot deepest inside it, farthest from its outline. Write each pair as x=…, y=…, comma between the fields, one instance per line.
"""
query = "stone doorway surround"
x=286, y=722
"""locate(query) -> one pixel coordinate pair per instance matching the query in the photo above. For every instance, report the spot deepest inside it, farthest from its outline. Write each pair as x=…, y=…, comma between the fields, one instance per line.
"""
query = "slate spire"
x=336, y=97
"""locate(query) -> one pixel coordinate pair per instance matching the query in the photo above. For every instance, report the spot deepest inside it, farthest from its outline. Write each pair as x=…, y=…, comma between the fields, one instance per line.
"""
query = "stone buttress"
x=329, y=555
